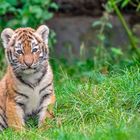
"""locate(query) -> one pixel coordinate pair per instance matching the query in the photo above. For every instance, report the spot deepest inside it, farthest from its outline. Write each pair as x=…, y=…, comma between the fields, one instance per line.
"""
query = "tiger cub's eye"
x=19, y=51
x=34, y=50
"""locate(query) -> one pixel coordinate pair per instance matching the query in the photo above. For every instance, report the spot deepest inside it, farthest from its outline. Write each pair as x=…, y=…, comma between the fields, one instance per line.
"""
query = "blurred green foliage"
x=14, y=13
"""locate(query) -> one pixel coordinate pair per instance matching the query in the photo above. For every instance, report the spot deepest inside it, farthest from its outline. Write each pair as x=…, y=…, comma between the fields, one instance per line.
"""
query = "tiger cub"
x=27, y=87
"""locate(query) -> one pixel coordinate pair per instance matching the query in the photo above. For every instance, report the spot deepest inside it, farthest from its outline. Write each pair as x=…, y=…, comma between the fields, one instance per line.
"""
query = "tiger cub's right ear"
x=6, y=35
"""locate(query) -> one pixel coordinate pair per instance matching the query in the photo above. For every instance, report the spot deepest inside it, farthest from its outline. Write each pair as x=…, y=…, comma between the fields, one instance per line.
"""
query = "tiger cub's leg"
x=15, y=115
x=47, y=110
x=3, y=119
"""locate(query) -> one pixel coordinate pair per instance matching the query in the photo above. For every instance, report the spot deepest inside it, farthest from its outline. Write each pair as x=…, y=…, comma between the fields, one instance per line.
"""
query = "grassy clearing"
x=91, y=105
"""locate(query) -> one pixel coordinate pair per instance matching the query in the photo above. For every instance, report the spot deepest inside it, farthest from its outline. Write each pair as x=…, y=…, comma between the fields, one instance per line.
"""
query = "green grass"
x=91, y=105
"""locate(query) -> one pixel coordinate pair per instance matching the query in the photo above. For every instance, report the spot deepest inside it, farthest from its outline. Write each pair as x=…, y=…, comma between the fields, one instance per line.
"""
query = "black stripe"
x=45, y=87
x=51, y=113
x=43, y=98
x=45, y=54
x=21, y=94
x=21, y=105
x=2, y=109
x=3, y=127
x=30, y=84
x=40, y=109
x=4, y=120
x=30, y=35
x=3, y=115
x=44, y=72
x=25, y=83
x=38, y=40
x=9, y=56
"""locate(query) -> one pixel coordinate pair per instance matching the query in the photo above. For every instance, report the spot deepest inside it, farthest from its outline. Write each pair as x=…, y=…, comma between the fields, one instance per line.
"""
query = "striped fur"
x=27, y=87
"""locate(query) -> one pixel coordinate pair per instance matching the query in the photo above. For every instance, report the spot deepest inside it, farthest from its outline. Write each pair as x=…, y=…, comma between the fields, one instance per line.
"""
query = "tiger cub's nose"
x=28, y=60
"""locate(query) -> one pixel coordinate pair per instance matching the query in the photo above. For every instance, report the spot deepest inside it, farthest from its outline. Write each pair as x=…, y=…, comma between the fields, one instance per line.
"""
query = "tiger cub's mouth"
x=29, y=71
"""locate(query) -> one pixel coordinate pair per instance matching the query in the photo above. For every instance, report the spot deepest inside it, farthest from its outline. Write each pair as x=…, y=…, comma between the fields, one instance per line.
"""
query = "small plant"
x=112, y=5
x=104, y=53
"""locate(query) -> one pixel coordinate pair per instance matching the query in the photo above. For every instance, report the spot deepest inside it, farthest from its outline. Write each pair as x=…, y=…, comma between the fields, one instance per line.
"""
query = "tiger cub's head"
x=26, y=49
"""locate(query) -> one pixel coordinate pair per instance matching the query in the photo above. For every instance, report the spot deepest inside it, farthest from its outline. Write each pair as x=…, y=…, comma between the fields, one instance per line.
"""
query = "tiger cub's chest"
x=30, y=99
x=33, y=98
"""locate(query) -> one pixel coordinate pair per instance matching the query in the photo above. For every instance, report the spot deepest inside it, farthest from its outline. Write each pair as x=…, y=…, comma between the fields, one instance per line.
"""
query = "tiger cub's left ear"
x=43, y=31
x=6, y=36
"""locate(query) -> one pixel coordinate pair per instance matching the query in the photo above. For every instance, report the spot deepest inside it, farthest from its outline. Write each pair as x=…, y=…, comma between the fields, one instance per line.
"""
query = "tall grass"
x=91, y=105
